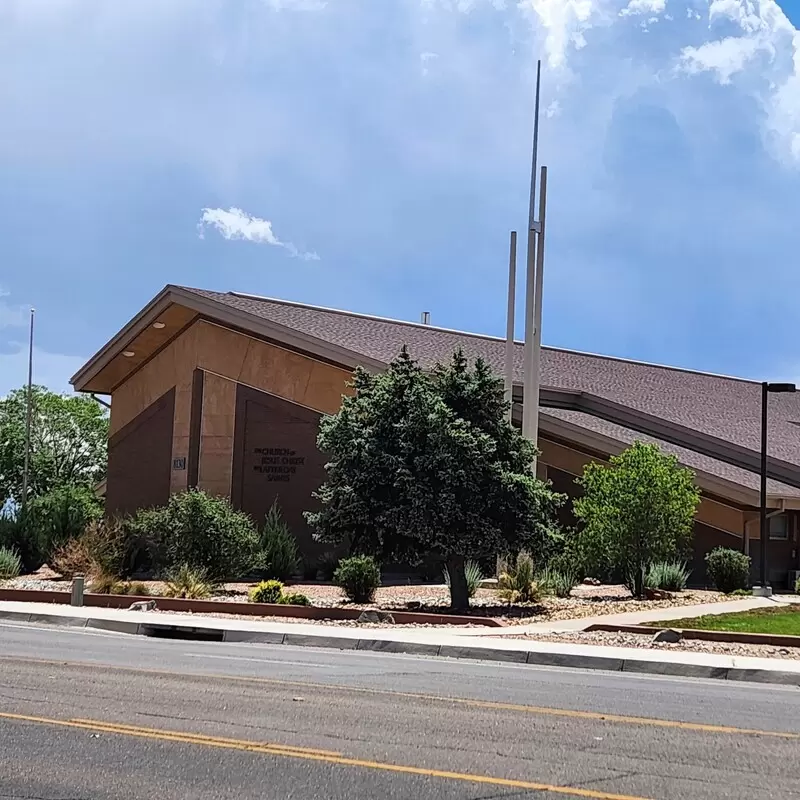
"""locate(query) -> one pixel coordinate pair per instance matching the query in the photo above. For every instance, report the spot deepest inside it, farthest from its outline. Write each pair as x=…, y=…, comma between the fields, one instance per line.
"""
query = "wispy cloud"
x=11, y=316
x=424, y=58
x=237, y=224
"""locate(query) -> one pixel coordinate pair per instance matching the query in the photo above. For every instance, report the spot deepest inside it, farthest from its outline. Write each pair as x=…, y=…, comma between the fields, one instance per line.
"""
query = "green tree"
x=423, y=464
x=636, y=510
x=69, y=438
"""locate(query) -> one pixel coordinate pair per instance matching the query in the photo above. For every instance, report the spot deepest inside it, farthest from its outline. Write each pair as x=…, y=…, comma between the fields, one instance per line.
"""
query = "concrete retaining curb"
x=466, y=651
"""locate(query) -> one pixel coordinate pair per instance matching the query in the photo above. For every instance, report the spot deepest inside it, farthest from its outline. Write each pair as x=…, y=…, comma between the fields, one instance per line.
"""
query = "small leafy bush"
x=267, y=592
x=474, y=575
x=190, y=583
x=728, y=569
x=797, y=586
x=198, y=531
x=294, y=599
x=671, y=576
x=516, y=583
x=741, y=593
x=556, y=582
x=137, y=588
x=10, y=564
x=278, y=558
x=358, y=577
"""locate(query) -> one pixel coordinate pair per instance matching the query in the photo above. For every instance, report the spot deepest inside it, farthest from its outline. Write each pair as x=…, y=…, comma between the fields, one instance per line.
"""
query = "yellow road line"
x=181, y=736
x=568, y=713
x=311, y=755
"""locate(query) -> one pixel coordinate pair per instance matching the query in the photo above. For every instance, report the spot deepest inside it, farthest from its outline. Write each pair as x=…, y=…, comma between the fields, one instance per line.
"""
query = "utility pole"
x=512, y=293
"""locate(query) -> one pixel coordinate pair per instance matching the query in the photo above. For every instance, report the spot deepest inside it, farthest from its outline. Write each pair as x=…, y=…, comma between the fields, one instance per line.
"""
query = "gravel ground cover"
x=585, y=601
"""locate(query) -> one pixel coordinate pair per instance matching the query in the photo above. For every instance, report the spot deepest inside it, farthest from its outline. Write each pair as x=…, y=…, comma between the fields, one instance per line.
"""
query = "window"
x=779, y=527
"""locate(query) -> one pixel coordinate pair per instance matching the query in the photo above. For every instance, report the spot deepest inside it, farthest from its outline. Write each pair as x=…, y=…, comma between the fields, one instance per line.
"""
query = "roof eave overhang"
x=226, y=315
x=713, y=484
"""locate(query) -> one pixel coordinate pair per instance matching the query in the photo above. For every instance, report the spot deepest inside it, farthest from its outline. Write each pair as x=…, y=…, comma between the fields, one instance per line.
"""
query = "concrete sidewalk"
x=416, y=641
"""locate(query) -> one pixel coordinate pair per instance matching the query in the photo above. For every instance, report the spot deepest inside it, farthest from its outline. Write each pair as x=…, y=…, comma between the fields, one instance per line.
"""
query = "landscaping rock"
x=591, y=582
x=144, y=605
x=657, y=594
x=411, y=605
x=376, y=616
x=669, y=635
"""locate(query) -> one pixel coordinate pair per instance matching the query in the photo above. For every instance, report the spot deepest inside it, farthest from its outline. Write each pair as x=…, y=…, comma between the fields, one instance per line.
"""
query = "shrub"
x=741, y=593
x=198, y=531
x=671, y=576
x=137, y=588
x=327, y=565
x=73, y=558
x=797, y=586
x=474, y=575
x=278, y=558
x=191, y=583
x=728, y=569
x=10, y=563
x=267, y=592
x=554, y=581
x=358, y=577
x=52, y=519
x=516, y=583
x=295, y=599
x=103, y=547
x=104, y=583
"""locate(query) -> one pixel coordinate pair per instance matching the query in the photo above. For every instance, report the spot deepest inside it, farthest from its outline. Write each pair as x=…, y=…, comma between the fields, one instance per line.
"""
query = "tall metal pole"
x=537, y=313
x=512, y=291
x=528, y=407
x=763, y=508
x=28, y=417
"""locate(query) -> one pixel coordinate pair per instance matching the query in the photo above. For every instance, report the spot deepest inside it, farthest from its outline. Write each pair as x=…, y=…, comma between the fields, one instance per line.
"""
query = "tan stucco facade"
x=227, y=357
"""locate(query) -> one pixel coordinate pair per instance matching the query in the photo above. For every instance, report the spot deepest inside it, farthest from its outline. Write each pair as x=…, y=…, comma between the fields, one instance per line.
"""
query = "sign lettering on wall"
x=277, y=464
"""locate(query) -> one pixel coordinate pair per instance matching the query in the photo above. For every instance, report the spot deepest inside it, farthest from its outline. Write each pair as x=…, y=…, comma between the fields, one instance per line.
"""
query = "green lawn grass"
x=768, y=620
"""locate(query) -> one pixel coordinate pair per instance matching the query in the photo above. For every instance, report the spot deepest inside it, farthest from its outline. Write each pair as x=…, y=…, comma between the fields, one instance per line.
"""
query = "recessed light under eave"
x=128, y=353
x=159, y=325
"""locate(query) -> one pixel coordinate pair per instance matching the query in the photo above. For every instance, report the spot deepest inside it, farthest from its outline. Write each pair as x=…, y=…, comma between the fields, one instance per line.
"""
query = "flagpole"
x=530, y=404
x=28, y=416
x=537, y=312
x=512, y=290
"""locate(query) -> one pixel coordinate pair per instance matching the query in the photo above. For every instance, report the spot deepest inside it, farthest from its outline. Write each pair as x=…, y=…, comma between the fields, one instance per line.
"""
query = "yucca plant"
x=10, y=564
x=517, y=583
x=555, y=581
x=474, y=575
x=190, y=583
x=671, y=576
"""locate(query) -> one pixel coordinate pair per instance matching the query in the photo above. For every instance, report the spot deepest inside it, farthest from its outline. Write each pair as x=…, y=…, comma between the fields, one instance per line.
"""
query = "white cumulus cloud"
x=237, y=224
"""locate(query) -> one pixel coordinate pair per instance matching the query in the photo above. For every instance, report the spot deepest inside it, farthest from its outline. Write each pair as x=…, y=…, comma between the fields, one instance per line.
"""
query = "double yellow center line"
x=309, y=754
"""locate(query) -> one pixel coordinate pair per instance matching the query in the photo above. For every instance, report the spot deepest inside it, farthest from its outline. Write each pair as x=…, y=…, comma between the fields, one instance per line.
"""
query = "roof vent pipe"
x=425, y=319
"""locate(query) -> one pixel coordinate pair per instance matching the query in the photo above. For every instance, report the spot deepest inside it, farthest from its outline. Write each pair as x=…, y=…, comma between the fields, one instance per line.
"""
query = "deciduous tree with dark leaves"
x=425, y=463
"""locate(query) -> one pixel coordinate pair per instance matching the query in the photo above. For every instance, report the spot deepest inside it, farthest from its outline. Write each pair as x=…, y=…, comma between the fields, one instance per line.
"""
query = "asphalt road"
x=87, y=715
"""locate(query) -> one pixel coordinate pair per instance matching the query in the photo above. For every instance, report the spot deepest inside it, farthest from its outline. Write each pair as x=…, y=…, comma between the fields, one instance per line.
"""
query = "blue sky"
x=378, y=153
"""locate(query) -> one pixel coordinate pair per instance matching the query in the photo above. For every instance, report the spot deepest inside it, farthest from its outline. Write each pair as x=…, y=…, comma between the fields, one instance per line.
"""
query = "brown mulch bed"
x=585, y=601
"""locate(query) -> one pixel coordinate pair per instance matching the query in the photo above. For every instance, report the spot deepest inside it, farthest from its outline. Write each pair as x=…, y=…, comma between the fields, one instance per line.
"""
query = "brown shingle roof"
x=696, y=461
x=724, y=407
